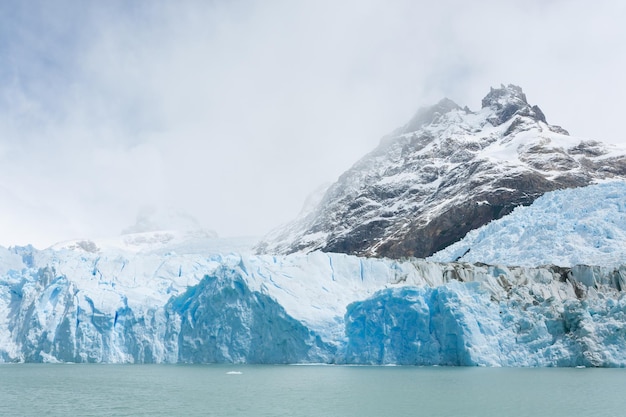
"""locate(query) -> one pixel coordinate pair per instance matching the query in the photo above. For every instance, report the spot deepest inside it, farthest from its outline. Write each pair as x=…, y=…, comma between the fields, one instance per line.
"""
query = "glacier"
x=152, y=298
x=567, y=227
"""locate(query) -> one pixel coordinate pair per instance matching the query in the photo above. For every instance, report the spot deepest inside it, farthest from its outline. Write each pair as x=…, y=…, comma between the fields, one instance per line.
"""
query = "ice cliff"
x=566, y=227
x=94, y=301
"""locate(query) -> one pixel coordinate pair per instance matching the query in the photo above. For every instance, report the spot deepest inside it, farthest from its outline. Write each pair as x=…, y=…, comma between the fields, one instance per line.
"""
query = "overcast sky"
x=236, y=110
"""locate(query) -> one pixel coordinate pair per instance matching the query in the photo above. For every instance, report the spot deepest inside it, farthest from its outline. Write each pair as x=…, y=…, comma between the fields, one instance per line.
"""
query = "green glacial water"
x=251, y=390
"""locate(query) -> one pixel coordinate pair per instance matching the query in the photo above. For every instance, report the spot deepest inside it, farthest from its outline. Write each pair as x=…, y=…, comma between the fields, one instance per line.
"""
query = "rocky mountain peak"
x=429, y=115
x=497, y=97
x=509, y=101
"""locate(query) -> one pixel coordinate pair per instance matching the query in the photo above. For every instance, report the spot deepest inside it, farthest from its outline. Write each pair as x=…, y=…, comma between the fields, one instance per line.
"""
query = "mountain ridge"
x=447, y=171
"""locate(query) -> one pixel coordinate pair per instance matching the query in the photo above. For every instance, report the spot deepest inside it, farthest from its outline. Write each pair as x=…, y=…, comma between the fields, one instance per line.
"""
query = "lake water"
x=250, y=390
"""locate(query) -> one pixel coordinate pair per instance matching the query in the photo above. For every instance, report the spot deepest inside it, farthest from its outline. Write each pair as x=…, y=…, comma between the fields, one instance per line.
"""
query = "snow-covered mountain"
x=567, y=227
x=446, y=172
x=102, y=301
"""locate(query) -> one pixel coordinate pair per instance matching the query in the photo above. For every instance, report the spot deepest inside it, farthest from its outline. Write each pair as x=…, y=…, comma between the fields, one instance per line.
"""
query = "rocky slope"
x=446, y=172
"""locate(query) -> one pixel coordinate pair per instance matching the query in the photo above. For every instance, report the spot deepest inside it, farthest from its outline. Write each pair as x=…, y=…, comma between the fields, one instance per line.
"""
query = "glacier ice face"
x=566, y=227
x=73, y=304
x=448, y=325
x=458, y=324
x=222, y=320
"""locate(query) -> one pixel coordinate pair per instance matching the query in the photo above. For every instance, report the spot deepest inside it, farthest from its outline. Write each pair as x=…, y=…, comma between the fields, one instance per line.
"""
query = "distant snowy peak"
x=449, y=170
x=161, y=242
x=158, y=231
x=152, y=219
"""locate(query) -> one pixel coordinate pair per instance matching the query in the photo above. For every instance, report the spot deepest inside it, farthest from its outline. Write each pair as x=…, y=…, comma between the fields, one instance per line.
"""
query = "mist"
x=235, y=111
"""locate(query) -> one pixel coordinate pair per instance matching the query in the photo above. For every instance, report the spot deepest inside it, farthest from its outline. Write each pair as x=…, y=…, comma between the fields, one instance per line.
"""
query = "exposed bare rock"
x=446, y=172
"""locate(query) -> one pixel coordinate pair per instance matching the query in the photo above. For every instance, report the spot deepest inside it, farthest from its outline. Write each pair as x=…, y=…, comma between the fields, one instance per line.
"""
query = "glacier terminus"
x=114, y=303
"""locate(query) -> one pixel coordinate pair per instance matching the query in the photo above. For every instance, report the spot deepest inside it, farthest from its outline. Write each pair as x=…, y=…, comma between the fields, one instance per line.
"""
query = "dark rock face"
x=451, y=225
x=446, y=172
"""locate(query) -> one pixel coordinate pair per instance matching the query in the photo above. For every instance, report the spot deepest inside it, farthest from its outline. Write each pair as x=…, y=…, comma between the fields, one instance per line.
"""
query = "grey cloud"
x=236, y=111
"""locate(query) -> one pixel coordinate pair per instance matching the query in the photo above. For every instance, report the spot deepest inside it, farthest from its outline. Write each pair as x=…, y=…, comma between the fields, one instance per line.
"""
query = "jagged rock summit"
x=446, y=172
